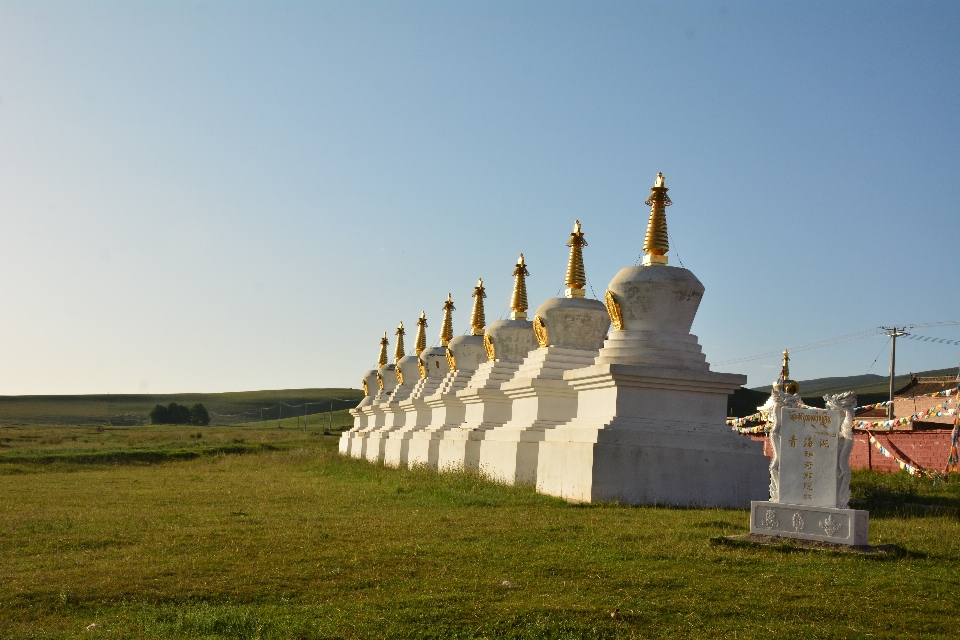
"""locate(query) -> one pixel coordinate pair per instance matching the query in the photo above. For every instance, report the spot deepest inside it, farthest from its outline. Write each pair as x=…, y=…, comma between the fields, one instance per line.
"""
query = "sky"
x=225, y=196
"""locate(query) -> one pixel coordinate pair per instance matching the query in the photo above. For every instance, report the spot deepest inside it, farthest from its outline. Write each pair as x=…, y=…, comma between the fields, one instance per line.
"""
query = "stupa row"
x=587, y=412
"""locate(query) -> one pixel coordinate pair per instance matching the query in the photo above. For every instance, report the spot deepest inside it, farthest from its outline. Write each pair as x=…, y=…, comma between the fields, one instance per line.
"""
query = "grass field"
x=225, y=408
x=268, y=533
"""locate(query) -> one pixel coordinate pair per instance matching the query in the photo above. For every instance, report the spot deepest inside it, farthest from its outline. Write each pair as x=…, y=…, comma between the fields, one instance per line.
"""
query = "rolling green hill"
x=865, y=384
x=869, y=388
x=225, y=408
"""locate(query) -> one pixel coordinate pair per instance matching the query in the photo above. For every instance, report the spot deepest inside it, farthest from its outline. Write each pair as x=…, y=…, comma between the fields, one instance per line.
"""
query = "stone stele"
x=807, y=469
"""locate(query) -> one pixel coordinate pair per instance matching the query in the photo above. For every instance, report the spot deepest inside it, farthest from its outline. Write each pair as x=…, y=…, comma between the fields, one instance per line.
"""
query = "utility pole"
x=893, y=333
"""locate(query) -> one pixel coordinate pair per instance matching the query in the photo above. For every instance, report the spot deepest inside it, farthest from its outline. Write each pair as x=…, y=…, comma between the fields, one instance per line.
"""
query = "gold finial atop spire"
x=784, y=383
x=399, y=351
x=421, y=333
x=446, y=329
x=518, y=302
x=657, y=243
x=382, y=361
x=576, y=275
x=477, y=319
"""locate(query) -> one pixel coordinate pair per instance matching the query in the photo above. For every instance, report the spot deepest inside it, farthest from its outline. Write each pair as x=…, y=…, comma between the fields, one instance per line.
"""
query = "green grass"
x=292, y=541
x=225, y=408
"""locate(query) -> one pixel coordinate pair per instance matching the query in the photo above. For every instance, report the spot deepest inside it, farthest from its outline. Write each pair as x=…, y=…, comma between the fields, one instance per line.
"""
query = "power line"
x=911, y=336
x=851, y=337
x=860, y=335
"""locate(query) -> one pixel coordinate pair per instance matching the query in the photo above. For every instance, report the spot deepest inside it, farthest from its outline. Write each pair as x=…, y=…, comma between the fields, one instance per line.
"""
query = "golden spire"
x=657, y=243
x=518, y=302
x=421, y=333
x=382, y=362
x=398, y=352
x=477, y=319
x=576, y=275
x=784, y=383
x=446, y=329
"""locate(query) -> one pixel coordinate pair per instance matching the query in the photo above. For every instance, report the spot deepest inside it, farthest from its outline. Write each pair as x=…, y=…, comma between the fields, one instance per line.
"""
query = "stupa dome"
x=387, y=377
x=434, y=362
x=657, y=298
x=465, y=353
x=408, y=371
x=510, y=340
x=652, y=306
x=572, y=323
x=369, y=382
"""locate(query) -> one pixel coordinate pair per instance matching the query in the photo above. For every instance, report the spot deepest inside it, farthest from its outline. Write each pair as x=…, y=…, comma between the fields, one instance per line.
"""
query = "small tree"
x=199, y=415
x=175, y=413
x=158, y=415
x=178, y=413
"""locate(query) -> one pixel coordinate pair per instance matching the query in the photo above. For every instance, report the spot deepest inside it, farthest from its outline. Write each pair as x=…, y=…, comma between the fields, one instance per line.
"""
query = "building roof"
x=921, y=386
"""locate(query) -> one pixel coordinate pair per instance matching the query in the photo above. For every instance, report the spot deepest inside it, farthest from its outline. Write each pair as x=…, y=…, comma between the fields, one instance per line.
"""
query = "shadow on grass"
x=126, y=456
x=299, y=620
x=901, y=494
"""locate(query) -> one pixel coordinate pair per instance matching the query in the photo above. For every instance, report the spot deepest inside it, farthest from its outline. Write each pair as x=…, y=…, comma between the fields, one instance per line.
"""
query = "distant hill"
x=869, y=388
x=225, y=408
x=869, y=383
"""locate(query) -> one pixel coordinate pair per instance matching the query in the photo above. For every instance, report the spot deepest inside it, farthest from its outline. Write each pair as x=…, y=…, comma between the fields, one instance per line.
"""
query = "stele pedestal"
x=808, y=473
x=408, y=375
x=447, y=411
x=415, y=407
x=650, y=422
x=370, y=388
x=486, y=406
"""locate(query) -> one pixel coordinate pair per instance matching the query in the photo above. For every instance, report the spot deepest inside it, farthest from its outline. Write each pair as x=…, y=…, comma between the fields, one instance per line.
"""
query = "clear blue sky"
x=226, y=196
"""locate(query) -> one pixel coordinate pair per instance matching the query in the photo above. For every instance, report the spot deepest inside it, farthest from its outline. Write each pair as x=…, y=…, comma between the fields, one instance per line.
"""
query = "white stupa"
x=507, y=343
x=370, y=388
x=432, y=367
x=569, y=331
x=649, y=426
x=374, y=412
x=407, y=371
x=447, y=411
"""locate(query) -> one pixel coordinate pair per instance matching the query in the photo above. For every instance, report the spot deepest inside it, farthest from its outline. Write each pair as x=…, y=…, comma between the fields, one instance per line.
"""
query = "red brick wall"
x=929, y=449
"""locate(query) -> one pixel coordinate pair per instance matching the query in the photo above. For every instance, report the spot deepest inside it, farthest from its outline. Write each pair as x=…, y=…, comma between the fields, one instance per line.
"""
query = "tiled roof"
x=920, y=386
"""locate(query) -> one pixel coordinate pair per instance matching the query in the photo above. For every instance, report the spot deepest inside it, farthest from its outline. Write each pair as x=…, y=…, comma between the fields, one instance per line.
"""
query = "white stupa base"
x=358, y=441
x=359, y=421
x=447, y=412
x=804, y=522
x=486, y=407
x=650, y=435
x=394, y=418
x=540, y=401
x=375, y=417
x=460, y=449
x=417, y=418
x=424, y=445
x=377, y=439
x=396, y=447
x=654, y=349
